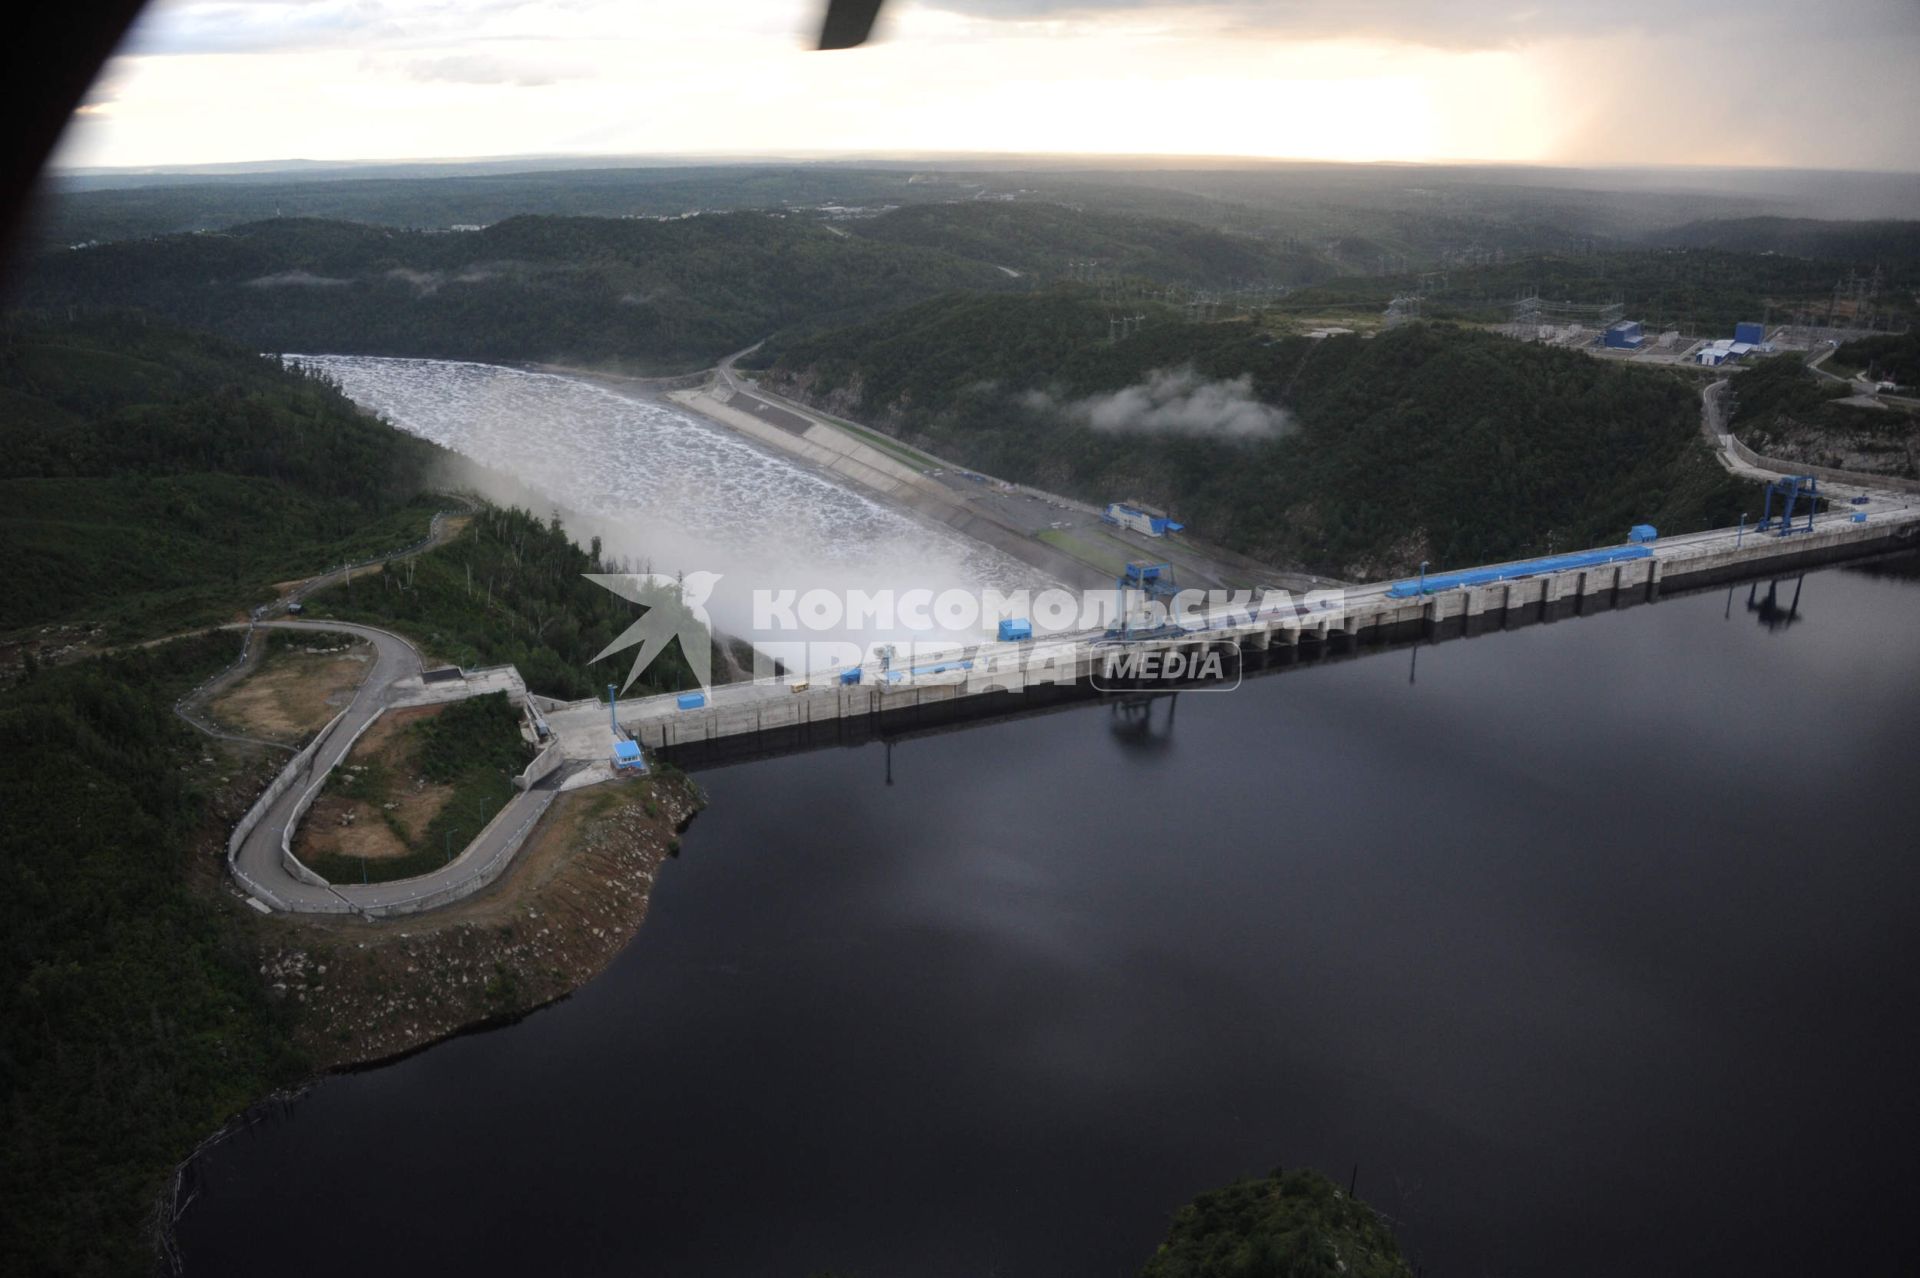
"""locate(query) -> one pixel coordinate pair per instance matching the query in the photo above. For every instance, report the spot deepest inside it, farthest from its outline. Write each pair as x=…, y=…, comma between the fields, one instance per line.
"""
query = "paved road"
x=193, y=707
x=257, y=862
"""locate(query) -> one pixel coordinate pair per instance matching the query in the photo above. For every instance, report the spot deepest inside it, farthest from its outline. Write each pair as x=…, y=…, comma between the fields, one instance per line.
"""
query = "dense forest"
x=1699, y=291
x=438, y=196
x=509, y=590
x=1047, y=240
x=1891, y=245
x=642, y=296
x=1291, y=1224
x=1893, y=358
x=1397, y=209
x=1784, y=409
x=659, y=292
x=135, y=1022
x=155, y=479
x=1429, y=442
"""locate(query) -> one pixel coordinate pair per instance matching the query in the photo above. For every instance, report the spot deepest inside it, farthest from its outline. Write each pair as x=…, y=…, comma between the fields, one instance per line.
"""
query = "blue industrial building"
x=1625, y=336
x=627, y=758
x=1748, y=331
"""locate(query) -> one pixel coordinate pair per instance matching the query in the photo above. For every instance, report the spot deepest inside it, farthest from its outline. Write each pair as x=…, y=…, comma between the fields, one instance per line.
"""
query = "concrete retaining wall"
x=483, y=875
x=543, y=764
x=1828, y=473
x=267, y=799
x=287, y=858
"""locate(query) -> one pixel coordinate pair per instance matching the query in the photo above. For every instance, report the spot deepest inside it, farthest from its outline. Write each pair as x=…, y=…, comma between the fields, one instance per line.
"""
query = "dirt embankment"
x=1870, y=438
x=344, y=823
x=361, y=991
x=296, y=689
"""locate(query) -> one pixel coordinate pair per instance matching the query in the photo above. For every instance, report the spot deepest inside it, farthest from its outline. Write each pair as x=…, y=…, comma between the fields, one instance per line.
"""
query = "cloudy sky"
x=1821, y=83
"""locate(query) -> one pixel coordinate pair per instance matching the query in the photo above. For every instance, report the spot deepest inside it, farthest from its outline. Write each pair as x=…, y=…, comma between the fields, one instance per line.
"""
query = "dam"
x=1000, y=678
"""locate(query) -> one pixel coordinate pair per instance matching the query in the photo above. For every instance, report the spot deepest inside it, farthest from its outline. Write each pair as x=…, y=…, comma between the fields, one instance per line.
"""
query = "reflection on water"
x=1770, y=609
x=1144, y=721
x=685, y=495
x=1583, y=971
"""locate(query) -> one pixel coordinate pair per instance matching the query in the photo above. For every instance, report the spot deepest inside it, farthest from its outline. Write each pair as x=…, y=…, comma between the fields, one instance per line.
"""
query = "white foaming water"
x=677, y=494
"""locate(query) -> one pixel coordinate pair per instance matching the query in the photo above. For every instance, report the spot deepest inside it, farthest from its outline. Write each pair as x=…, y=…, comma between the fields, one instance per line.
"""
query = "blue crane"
x=1155, y=583
x=1790, y=489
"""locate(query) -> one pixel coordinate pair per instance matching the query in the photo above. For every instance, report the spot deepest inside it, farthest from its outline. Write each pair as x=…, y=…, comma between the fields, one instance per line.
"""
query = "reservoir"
x=1585, y=948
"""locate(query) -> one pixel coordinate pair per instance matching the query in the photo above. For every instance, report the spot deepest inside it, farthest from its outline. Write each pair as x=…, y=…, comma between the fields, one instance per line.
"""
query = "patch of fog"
x=1173, y=402
x=296, y=279
x=674, y=493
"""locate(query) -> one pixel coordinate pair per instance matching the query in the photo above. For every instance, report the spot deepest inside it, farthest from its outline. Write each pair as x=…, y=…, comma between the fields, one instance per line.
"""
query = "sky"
x=1814, y=83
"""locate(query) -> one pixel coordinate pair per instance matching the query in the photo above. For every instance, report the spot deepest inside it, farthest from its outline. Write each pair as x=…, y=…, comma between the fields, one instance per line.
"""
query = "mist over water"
x=676, y=494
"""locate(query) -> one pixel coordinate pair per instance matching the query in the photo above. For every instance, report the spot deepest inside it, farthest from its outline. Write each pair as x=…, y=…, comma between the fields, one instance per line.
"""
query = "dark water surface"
x=1594, y=949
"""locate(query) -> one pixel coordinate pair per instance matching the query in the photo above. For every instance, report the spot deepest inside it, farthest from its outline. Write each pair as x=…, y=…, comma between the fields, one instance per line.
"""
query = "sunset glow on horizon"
x=203, y=83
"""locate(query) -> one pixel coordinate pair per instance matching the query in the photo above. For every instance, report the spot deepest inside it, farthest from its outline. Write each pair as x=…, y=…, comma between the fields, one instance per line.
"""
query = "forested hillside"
x=136, y=1024
x=1292, y=1224
x=1891, y=245
x=511, y=590
x=152, y=479
x=1894, y=358
x=1042, y=239
x=455, y=194
x=1784, y=409
x=1352, y=457
x=155, y=479
x=644, y=296
x=1702, y=291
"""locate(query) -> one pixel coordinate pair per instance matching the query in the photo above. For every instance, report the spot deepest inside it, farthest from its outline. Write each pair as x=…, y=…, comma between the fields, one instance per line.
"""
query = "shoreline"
x=588, y=872
x=364, y=993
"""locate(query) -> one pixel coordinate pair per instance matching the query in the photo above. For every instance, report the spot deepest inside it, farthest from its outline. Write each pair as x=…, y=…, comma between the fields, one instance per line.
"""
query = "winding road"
x=258, y=861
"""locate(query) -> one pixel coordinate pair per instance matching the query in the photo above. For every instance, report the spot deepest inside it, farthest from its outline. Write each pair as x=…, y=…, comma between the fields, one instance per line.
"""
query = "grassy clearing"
x=424, y=789
x=1106, y=560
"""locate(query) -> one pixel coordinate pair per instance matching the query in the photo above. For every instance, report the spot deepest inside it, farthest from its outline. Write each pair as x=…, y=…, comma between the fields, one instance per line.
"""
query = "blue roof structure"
x=1507, y=572
x=627, y=757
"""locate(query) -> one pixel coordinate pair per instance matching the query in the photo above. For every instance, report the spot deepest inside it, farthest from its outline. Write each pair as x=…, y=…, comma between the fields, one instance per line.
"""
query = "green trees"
x=1294, y=1224
x=510, y=589
x=149, y=479
x=152, y=479
x=646, y=296
x=1040, y=238
x=1894, y=358
x=473, y=747
x=135, y=1024
x=1428, y=442
x=1786, y=410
